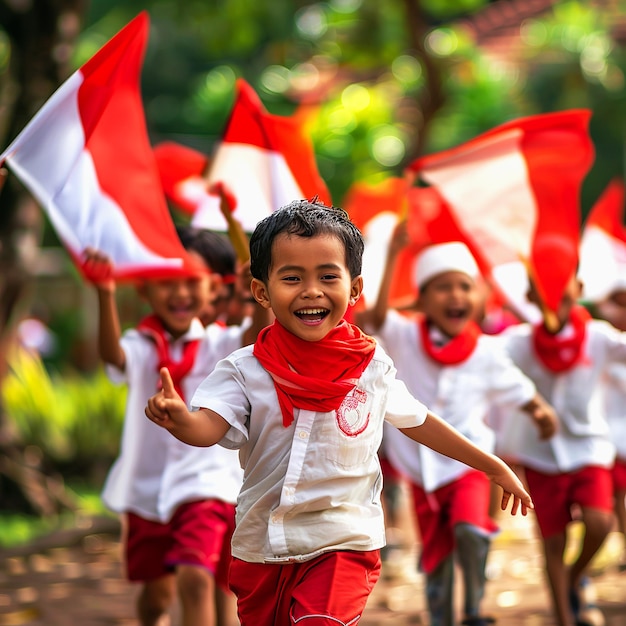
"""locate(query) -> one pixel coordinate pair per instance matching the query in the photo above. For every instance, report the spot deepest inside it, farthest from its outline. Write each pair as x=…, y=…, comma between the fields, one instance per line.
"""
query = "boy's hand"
x=98, y=269
x=543, y=415
x=399, y=239
x=512, y=486
x=166, y=408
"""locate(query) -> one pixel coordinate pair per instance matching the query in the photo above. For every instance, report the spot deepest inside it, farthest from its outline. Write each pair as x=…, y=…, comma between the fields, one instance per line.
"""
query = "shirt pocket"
x=350, y=436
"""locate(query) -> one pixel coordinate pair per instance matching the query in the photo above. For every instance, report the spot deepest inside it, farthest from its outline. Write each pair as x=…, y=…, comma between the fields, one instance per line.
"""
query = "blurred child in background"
x=571, y=472
x=177, y=502
x=444, y=359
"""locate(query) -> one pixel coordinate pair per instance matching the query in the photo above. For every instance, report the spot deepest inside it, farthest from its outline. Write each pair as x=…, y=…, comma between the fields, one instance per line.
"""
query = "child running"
x=177, y=502
x=571, y=472
x=305, y=406
x=461, y=374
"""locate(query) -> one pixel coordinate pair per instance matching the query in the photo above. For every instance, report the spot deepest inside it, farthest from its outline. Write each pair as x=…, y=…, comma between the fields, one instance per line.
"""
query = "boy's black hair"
x=216, y=250
x=304, y=218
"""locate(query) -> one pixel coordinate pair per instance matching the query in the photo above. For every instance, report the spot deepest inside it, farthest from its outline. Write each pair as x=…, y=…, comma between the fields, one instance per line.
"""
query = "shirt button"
x=303, y=435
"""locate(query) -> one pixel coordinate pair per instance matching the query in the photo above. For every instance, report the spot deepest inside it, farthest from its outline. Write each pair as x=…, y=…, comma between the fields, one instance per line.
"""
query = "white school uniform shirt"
x=614, y=390
x=583, y=437
x=155, y=472
x=461, y=394
x=315, y=485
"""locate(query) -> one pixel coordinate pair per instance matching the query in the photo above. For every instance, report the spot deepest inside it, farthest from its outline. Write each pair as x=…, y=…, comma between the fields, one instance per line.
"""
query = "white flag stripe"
x=51, y=160
x=488, y=190
x=261, y=178
x=602, y=263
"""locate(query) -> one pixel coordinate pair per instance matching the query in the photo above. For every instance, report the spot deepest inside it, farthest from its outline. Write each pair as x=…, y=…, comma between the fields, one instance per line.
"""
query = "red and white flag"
x=514, y=192
x=603, y=245
x=86, y=157
x=265, y=160
x=376, y=209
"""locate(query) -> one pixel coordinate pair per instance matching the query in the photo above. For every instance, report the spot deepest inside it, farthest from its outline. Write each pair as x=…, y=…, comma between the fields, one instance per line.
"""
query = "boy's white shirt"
x=583, y=436
x=461, y=394
x=312, y=487
x=155, y=472
x=614, y=388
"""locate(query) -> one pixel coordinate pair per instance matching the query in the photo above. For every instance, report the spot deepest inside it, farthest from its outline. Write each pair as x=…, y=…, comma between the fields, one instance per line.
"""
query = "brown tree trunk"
x=432, y=96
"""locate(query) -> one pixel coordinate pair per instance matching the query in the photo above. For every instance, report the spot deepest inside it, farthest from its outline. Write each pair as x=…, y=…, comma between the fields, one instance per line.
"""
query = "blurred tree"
x=36, y=45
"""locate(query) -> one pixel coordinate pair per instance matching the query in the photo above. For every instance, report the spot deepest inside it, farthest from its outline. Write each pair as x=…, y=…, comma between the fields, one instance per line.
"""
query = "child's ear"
x=356, y=289
x=260, y=293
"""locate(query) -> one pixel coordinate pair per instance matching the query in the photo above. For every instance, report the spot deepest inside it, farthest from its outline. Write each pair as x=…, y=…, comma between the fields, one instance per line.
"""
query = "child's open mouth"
x=312, y=315
x=456, y=314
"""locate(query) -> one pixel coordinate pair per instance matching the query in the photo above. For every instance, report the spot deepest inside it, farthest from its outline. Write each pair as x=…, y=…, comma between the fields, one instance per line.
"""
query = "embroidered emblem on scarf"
x=313, y=375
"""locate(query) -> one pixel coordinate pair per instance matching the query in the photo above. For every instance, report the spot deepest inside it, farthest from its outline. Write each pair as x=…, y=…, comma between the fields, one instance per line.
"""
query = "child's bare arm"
x=375, y=317
x=443, y=438
x=99, y=270
x=543, y=415
x=197, y=428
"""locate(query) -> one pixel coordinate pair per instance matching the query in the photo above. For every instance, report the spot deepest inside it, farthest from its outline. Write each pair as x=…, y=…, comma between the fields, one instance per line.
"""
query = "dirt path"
x=73, y=578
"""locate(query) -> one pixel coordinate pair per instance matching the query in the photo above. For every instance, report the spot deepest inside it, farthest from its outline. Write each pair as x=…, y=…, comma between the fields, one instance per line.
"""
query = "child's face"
x=449, y=301
x=309, y=287
x=177, y=301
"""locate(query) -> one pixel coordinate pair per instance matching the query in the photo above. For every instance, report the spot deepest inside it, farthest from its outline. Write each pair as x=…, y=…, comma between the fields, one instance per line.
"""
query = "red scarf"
x=153, y=328
x=456, y=350
x=313, y=375
x=560, y=353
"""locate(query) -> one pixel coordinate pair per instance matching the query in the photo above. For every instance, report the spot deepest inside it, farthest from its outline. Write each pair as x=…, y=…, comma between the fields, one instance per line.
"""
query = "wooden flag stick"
x=236, y=234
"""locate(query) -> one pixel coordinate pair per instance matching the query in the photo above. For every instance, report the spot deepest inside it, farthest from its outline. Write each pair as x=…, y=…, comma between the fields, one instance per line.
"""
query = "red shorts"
x=554, y=495
x=330, y=589
x=619, y=475
x=198, y=534
x=464, y=500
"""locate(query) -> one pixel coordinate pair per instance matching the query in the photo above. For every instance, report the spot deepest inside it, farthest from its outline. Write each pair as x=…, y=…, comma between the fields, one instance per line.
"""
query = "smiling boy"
x=306, y=406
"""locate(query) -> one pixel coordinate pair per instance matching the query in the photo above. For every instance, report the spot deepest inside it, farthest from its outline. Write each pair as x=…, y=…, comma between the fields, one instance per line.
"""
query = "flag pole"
x=236, y=234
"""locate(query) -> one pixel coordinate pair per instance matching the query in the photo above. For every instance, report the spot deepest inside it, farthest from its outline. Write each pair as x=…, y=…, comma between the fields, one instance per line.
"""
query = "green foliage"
x=74, y=420
x=17, y=529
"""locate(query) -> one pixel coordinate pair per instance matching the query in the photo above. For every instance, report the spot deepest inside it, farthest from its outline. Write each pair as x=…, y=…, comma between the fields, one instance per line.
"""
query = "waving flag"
x=182, y=170
x=514, y=192
x=603, y=245
x=86, y=158
x=265, y=160
x=376, y=209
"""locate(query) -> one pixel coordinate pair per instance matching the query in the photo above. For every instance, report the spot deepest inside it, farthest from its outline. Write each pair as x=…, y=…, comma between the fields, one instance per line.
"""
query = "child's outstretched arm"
x=443, y=438
x=99, y=269
x=197, y=428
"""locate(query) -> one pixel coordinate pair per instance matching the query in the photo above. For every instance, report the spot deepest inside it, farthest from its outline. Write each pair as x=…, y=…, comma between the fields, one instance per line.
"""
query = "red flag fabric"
x=85, y=156
x=514, y=191
x=375, y=209
x=603, y=245
x=265, y=160
x=182, y=171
